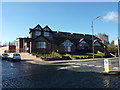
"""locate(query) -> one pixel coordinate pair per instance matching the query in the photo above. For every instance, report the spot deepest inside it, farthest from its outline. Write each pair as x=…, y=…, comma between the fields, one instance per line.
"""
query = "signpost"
x=107, y=65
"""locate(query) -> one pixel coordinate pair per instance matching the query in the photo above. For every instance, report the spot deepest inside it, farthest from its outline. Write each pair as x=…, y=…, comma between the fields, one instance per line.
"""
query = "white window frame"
x=41, y=44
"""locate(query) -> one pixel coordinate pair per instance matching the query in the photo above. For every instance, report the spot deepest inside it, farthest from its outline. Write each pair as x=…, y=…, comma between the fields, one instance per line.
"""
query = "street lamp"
x=93, y=34
x=119, y=53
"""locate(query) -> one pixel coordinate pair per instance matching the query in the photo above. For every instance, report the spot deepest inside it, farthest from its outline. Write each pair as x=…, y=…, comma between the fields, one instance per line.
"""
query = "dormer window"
x=37, y=33
x=46, y=33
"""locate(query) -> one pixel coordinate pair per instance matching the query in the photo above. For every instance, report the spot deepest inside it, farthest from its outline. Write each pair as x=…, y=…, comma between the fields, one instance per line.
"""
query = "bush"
x=85, y=55
x=79, y=56
x=98, y=55
x=47, y=56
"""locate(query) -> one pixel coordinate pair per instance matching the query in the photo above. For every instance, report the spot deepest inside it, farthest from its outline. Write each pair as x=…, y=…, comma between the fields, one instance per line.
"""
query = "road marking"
x=91, y=65
x=98, y=66
x=11, y=64
x=115, y=67
x=84, y=64
x=75, y=66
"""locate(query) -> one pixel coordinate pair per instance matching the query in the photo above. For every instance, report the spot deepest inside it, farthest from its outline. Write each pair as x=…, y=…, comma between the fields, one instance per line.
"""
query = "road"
x=21, y=74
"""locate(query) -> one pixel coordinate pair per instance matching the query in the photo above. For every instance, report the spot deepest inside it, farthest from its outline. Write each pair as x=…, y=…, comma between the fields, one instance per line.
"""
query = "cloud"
x=111, y=16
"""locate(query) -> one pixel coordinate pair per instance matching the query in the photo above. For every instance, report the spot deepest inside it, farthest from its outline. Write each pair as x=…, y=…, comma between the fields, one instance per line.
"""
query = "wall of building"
x=98, y=48
x=103, y=37
x=2, y=49
x=12, y=49
x=8, y=49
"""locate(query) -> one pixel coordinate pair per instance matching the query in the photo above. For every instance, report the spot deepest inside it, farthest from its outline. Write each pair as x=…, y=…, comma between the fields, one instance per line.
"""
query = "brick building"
x=45, y=40
x=7, y=49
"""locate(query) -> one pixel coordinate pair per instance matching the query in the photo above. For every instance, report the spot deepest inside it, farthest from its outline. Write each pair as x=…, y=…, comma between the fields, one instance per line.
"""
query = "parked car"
x=4, y=56
x=14, y=56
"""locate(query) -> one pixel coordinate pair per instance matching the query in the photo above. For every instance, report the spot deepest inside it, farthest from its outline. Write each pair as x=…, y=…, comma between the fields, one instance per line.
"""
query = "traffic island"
x=108, y=68
x=113, y=72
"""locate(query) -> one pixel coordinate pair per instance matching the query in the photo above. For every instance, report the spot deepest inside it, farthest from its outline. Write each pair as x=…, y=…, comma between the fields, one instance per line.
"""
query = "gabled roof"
x=38, y=27
x=85, y=41
x=59, y=37
x=99, y=42
x=46, y=28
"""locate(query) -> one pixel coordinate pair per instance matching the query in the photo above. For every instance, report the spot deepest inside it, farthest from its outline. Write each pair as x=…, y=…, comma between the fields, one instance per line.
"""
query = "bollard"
x=107, y=65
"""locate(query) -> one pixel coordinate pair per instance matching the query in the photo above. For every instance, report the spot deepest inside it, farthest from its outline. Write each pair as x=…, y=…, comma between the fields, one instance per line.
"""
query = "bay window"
x=41, y=44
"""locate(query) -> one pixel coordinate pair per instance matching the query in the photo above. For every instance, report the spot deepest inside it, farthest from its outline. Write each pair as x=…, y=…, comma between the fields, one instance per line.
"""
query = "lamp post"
x=104, y=50
x=93, y=35
x=119, y=53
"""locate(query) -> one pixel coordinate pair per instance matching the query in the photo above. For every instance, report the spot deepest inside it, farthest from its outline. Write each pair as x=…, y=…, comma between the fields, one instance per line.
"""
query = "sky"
x=18, y=17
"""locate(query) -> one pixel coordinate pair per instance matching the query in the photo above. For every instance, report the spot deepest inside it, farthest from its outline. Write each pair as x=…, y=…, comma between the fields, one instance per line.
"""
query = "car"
x=14, y=56
x=4, y=56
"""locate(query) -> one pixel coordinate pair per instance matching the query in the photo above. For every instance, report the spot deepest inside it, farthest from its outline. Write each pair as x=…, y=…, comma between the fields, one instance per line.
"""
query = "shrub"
x=52, y=55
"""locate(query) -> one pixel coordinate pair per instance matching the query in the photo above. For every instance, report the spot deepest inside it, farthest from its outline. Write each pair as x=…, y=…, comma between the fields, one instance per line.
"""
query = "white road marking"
x=98, y=66
x=11, y=64
x=75, y=66
x=84, y=64
x=115, y=67
x=91, y=65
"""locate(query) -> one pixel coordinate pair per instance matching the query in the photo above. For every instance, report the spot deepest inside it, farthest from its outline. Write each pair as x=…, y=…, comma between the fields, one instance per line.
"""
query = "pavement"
x=68, y=61
x=96, y=63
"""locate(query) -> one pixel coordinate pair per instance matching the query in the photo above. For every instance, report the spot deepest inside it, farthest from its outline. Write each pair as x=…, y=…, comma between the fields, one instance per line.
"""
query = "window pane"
x=83, y=43
x=97, y=44
x=37, y=33
x=37, y=44
x=41, y=45
x=46, y=33
x=67, y=43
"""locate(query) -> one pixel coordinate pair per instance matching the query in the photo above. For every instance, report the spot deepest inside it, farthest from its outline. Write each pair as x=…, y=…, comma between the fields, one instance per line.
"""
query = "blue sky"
x=76, y=17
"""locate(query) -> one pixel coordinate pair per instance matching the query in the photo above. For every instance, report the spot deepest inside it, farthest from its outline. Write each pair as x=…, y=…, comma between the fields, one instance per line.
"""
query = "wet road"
x=26, y=75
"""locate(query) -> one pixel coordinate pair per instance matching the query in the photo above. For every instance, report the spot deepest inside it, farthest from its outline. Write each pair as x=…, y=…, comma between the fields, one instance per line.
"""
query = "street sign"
x=107, y=65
